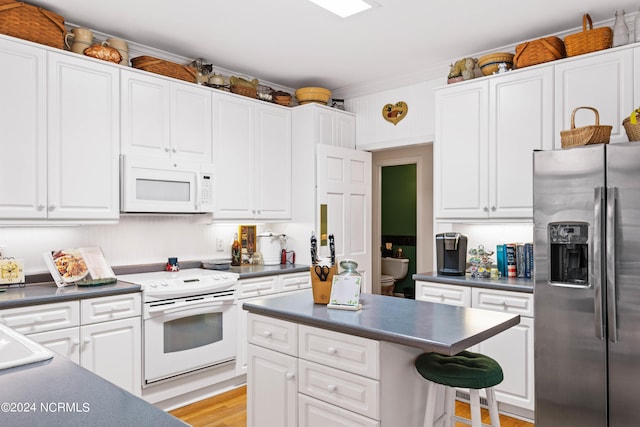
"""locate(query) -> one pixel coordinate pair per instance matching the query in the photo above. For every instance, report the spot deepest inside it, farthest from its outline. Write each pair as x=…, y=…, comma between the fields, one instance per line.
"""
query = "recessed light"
x=344, y=8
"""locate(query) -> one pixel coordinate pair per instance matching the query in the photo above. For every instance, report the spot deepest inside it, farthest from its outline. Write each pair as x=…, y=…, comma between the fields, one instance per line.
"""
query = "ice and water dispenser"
x=569, y=250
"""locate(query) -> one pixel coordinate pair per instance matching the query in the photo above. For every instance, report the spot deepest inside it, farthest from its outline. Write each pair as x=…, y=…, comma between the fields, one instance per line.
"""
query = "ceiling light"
x=343, y=8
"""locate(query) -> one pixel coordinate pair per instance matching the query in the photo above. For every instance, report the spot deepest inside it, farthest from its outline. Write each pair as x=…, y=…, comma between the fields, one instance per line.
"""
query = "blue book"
x=500, y=257
x=528, y=265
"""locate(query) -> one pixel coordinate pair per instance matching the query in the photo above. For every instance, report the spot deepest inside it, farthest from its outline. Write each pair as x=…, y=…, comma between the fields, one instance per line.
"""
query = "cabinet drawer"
x=505, y=301
x=347, y=352
x=95, y=310
x=442, y=293
x=316, y=413
x=275, y=334
x=257, y=286
x=41, y=318
x=343, y=389
x=295, y=281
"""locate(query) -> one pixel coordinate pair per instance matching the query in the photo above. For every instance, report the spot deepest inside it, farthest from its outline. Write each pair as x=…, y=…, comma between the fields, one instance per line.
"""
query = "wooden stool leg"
x=430, y=410
x=493, y=407
x=476, y=418
x=449, y=406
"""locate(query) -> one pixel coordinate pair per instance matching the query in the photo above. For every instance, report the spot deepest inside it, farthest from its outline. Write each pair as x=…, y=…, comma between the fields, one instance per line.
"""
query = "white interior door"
x=344, y=185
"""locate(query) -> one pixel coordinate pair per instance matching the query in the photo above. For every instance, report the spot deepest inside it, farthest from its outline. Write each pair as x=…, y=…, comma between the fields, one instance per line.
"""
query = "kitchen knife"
x=332, y=248
x=314, y=248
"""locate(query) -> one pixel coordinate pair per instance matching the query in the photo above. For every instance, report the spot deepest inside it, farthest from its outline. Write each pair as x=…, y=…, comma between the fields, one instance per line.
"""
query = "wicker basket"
x=249, y=91
x=27, y=22
x=633, y=130
x=594, y=134
x=589, y=40
x=490, y=63
x=165, y=68
x=538, y=51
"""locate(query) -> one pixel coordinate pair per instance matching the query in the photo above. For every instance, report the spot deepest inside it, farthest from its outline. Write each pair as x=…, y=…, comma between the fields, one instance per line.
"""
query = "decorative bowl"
x=489, y=63
x=306, y=95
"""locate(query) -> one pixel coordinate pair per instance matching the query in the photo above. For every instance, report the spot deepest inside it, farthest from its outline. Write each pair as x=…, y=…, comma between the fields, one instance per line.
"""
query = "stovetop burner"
x=160, y=285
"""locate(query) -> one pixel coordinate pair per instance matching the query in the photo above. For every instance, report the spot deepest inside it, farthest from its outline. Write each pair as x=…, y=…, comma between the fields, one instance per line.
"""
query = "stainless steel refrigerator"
x=587, y=286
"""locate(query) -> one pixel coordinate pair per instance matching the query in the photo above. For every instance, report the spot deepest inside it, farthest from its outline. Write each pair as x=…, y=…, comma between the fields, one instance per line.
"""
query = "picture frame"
x=247, y=237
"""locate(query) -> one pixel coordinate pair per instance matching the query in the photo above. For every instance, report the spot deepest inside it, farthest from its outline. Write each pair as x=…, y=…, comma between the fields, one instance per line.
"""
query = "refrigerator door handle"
x=610, y=248
x=596, y=263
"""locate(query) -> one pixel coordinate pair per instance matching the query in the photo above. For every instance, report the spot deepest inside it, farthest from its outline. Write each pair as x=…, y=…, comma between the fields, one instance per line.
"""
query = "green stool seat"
x=465, y=369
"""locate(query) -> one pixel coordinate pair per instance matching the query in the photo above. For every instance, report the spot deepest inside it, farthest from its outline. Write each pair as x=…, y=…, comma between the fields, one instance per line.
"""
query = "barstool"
x=467, y=370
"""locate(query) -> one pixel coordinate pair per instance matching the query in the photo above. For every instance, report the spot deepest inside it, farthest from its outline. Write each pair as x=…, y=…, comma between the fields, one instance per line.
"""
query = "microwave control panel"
x=205, y=189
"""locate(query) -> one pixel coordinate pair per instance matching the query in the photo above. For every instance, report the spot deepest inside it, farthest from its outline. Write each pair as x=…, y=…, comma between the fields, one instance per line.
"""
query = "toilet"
x=392, y=269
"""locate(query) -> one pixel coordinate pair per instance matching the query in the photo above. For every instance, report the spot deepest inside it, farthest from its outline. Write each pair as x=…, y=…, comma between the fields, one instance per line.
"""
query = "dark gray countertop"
x=44, y=293
x=434, y=327
x=249, y=271
x=505, y=284
x=58, y=392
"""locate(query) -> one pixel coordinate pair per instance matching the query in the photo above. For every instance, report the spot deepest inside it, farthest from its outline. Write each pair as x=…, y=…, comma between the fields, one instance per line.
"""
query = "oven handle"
x=187, y=305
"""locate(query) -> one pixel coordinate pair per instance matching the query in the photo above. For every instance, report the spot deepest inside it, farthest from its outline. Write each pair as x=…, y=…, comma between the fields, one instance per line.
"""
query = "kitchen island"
x=57, y=392
x=309, y=365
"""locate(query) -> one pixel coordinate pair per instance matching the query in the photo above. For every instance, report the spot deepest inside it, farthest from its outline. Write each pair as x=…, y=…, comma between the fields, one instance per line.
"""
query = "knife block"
x=322, y=289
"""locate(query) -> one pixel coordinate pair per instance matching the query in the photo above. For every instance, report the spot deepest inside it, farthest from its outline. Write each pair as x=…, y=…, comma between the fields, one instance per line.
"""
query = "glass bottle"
x=620, y=30
x=235, y=251
x=350, y=268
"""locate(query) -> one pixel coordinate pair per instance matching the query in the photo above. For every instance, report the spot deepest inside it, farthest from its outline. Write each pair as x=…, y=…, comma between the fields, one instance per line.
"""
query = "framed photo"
x=247, y=236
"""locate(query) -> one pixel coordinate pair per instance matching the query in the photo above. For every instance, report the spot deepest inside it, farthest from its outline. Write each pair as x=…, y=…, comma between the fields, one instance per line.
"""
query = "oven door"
x=183, y=336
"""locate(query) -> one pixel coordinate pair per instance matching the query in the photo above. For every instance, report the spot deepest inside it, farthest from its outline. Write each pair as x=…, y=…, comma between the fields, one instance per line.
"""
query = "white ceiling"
x=295, y=43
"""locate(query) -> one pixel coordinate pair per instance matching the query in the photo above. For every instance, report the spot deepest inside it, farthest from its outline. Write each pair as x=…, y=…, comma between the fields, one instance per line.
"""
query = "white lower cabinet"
x=340, y=380
x=261, y=288
x=316, y=413
x=512, y=349
x=102, y=334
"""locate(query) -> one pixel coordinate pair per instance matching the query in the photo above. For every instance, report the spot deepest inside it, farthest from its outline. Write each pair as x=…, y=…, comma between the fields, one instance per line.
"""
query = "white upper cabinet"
x=83, y=166
x=604, y=82
x=161, y=117
x=23, y=122
x=486, y=132
x=326, y=125
x=252, y=158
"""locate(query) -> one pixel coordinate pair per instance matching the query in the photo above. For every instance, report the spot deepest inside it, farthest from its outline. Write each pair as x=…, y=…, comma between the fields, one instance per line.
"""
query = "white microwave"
x=164, y=185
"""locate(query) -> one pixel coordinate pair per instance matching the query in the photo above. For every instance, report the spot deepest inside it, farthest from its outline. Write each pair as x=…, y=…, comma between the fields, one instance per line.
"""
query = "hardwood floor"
x=230, y=410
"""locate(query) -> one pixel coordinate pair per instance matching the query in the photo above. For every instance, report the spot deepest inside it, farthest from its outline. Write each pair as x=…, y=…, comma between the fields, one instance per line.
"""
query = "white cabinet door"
x=190, y=122
x=113, y=351
x=521, y=120
x=335, y=127
x=144, y=111
x=165, y=118
x=443, y=293
x=513, y=350
x=272, y=388
x=316, y=413
x=233, y=157
x=83, y=151
x=272, y=151
x=344, y=185
x=24, y=131
x=604, y=82
x=461, y=151
x=65, y=342
x=252, y=158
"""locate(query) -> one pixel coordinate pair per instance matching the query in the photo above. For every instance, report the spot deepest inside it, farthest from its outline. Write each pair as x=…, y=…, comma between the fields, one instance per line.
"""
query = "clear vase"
x=620, y=30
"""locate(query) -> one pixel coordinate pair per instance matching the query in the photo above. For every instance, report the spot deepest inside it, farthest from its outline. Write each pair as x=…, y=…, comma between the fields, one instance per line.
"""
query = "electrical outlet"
x=219, y=245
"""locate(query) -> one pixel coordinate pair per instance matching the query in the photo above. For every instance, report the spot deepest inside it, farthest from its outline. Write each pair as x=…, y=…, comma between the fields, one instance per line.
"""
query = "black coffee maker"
x=451, y=253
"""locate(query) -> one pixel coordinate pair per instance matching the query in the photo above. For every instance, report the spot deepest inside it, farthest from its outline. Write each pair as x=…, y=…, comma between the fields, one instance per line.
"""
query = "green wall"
x=399, y=203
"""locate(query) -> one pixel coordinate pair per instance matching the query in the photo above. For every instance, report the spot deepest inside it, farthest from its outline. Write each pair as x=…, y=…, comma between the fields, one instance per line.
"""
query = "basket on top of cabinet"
x=35, y=24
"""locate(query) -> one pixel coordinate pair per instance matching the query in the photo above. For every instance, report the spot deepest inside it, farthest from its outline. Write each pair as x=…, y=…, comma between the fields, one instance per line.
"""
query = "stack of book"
x=515, y=260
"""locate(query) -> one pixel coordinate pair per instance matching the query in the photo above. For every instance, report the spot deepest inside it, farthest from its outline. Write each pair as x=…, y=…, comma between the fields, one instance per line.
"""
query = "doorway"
x=410, y=170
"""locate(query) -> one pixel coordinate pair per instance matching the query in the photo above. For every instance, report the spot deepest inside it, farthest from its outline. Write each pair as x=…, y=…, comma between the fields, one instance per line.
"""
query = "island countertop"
x=428, y=326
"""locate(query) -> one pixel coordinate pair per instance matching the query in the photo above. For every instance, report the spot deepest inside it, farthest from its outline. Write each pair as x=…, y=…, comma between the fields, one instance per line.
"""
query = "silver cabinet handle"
x=52, y=207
